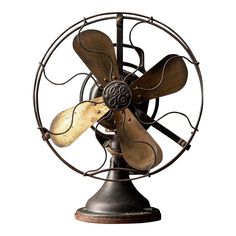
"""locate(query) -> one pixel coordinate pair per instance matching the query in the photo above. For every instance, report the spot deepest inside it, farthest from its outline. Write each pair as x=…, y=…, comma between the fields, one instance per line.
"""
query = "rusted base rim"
x=145, y=215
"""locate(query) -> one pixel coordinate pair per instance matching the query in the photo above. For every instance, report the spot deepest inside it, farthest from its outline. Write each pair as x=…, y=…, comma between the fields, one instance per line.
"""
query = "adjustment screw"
x=105, y=79
x=98, y=111
x=113, y=77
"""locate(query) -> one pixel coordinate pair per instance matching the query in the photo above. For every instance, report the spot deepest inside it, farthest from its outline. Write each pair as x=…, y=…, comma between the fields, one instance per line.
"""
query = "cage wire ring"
x=77, y=27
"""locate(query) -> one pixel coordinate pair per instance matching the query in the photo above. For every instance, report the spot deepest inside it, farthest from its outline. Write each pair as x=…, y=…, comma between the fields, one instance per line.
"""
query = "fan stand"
x=117, y=201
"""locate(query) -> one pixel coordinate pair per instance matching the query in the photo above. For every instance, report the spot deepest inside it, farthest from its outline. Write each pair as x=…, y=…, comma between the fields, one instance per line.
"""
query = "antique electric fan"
x=121, y=107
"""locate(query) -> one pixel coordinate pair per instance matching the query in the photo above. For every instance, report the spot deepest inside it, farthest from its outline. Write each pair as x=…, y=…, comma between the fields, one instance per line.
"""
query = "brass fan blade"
x=65, y=132
x=97, y=51
x=166, y=77
x=138, y=147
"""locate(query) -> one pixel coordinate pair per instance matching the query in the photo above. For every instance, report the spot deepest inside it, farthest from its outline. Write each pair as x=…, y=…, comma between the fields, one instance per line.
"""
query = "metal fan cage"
x=77, y=27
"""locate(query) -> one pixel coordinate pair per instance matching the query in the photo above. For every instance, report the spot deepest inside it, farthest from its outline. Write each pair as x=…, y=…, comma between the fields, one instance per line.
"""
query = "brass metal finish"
x=166, y=77
x=97, y=52
x=119, y=102
x=138, y=147
x=84, y=115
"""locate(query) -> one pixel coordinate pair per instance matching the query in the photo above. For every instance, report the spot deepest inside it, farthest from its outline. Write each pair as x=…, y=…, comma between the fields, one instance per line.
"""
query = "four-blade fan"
x=138, y=147
x=120, y=102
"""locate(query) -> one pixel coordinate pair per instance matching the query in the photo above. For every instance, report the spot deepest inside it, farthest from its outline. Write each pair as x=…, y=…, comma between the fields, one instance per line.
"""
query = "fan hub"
x=117, y=95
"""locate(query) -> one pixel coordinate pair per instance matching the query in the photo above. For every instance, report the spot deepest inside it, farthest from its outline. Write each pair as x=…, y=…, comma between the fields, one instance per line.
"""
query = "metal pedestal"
x=117, y=202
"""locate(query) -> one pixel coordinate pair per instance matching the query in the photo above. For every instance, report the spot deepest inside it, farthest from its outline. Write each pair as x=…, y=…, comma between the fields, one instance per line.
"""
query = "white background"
x=39, y=195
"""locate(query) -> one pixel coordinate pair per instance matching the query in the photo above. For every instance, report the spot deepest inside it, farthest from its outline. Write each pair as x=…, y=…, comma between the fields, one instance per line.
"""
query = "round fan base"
x=117, y=202
x=146, y=215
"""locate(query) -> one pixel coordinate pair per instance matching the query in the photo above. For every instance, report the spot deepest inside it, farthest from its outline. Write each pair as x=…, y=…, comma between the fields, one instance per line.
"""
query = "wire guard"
x=117, y=94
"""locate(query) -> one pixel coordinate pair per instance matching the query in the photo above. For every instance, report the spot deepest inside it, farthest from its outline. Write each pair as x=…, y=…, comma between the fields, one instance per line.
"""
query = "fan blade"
x=166, y=77
x=138, y=147
x=65, y=132
x=97, y=51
